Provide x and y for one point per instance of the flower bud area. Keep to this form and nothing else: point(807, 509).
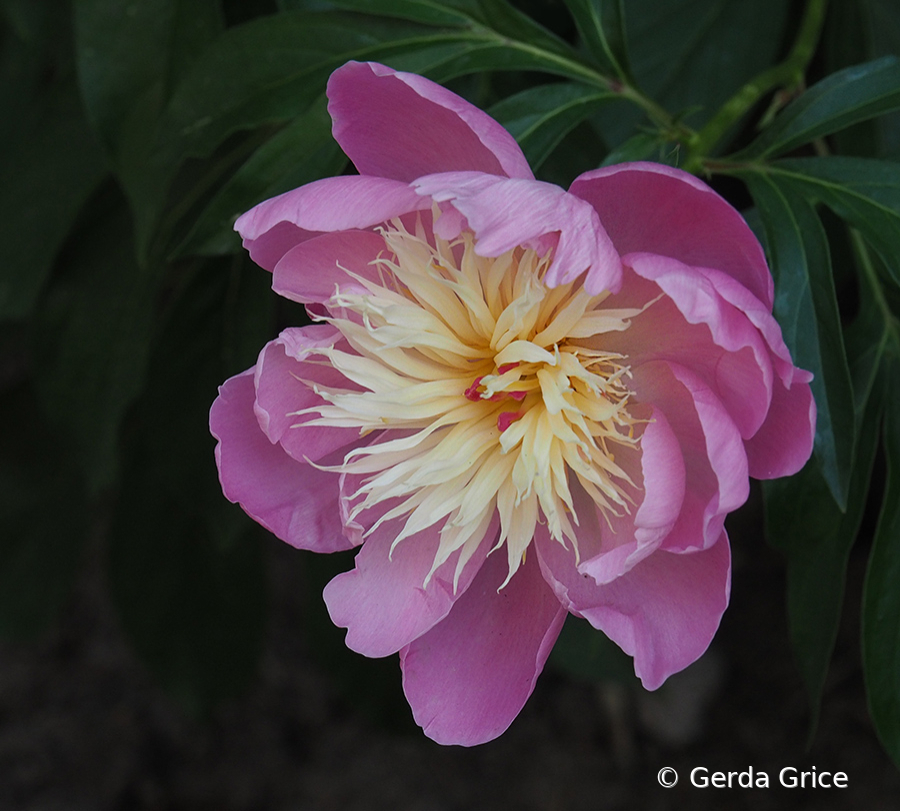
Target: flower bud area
point(488, 390)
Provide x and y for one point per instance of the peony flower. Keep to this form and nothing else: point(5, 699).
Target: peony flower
point(516, 401)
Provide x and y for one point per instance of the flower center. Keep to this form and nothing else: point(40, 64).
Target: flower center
point(494, 387)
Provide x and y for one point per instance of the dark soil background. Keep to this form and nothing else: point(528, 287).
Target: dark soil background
point(82, 726)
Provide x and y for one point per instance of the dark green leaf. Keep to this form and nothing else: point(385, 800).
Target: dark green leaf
point(804, 522)
point(858, 31)
point(692, 55)
point(92, 339)
point(34, 56)
point(129, 56)
point(540, 117)
point(300, 153)
point(643, 146)
point(869, 336)
point(121, 48)
point(885, 28)
point(271, 69)
point(24, 18)
point(217, 325)
point(130, 53)
point(881, 597)
point(852, 95)
point(418, 11)
point(577, 153)
point(185, 565)
point(497, 16)
point(52, 166)
point(601, 24)
point(43, 518)
point(864, 192)
point(195, 25)
point(846, 38)
point(465, 55)
point(846, 42)
point(256, 73)
point(806, 308)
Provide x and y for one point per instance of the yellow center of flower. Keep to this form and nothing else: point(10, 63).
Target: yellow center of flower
point(495, 387)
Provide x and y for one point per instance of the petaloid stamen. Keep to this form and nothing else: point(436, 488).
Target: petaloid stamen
point(446, 341)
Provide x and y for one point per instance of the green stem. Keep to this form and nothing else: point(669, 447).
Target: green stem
point(891, 325)
point(671, 129)
point(787, 74)
point(578, 70)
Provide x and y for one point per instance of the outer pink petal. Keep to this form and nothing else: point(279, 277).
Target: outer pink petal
point(294, 501)
point(382, 602)
point(761, 317)
point(626, 540)
point(704, 332)
point(281, 390)
point(470, 675)
point(648, 207)
point(715, 461)
point(275, 226)
point(504, 213)
point(310, 271)
point(402, 126)
point(664, 612)
point(784, 443)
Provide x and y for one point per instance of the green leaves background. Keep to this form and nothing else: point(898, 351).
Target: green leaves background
point(137, 132)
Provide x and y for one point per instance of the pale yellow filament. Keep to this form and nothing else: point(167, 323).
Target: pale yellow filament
point(480, 368)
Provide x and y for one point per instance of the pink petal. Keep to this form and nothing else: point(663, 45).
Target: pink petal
point(761, 317)
point(382, 602)
point(507, 212)
point(402, 126)
point(310, 271)
point(662, 469)
point(716, 480)
point(275, 226)
point(294, 501)
point(704, 332)
point(470, 675)
point(651, 208)
point(629, 538)
point(609, 545)
point(664, 612)
point(784, 443)
point(271, 245)
point(281, 391)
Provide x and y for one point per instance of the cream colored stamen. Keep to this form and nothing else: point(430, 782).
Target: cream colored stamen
point(493, 397)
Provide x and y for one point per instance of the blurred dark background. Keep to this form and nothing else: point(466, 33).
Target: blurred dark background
point(83, 725)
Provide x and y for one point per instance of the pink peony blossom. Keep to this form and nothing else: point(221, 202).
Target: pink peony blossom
point(517, 401)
